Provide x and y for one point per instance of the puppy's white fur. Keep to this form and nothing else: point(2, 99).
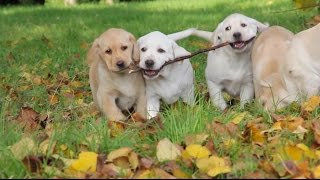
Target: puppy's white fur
point(229, 68)
point(301, 70)
point(173, 81)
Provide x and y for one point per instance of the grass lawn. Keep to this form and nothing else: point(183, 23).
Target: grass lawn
point(42, 57)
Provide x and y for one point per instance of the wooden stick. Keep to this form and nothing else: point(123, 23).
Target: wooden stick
point(187, 57)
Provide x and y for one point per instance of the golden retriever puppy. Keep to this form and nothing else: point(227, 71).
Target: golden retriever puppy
point(301, 70)
point(268, 56)
point(115, 90)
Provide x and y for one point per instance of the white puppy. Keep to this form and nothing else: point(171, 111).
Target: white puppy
point(229, 68)
point(170, 82)
point(301, 70)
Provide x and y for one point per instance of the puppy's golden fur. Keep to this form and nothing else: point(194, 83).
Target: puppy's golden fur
point(115, 90)
point(268, 56)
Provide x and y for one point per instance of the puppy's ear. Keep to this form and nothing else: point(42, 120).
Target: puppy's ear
point(179, 51)
point(216, 35)
point(260, 26)
point(135, 50)
point(94, 52)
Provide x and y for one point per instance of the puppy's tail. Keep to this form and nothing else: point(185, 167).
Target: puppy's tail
point(203, 34)
point(182, 34)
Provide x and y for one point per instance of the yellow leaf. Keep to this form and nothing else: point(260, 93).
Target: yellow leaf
point(239, 118)
point(316, 172)
point(276, 126)
point(212, 166)
point(310, 105)
point(307, 151)
point(293, 152)
point(133, 160)
point(218, 170)
point(122, 152)
point(86, 162)
point(178, 173)
point(317, 154)
point(147, 174)
point(166, 150)
point(197, 151)
point(185, 155)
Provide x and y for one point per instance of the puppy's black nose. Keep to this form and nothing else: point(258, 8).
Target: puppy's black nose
point(237, 35)
point(149, 63)
point(120, 64)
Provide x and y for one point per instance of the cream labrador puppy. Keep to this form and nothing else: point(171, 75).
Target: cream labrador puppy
point(268, 57)
point(301, 70)
point(115, 90)
point(229, 68)
point(168, 83)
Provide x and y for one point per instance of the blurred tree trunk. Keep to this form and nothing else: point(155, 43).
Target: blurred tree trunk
point(70, 2)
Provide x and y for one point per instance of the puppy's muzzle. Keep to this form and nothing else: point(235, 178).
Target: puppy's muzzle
point(240, 44)
point(149, 71)
point(120, 64)
point(149, 63)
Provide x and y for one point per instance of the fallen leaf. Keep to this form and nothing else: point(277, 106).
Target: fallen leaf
point(53, 99)
point(311, 104)
point(195, 139)
point(23, 148)
point(32, 163)
point(307, 152)
point(86, 162)
point(179, 174)
point(29, 118)
point(316, 172)
point(197, 151)
point(212, 166)
point(122, 152)
point(124, 158)
point(239, 117)
point(47, 146)
point(146, 163)
point(166, 150)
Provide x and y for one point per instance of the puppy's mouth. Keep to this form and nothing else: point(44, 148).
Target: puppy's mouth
point(150, 72)
point(241, 44)
point(238, 45)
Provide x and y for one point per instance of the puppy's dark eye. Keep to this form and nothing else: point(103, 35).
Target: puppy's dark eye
point(143, 49)
point(108, 51)
point(123, 48)
point(243, 25)
point(228, 28)
point(161, 50)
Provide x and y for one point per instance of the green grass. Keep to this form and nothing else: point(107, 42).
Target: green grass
point(45, 41)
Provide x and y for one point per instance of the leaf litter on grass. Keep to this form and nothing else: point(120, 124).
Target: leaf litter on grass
point(196, 157)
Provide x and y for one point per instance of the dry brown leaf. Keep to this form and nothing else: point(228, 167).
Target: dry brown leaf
point(53, 99)
point(29, 119)
point(146, 163)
